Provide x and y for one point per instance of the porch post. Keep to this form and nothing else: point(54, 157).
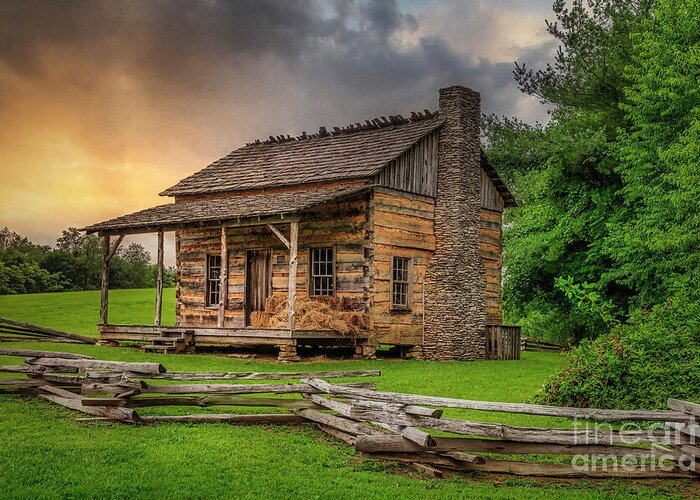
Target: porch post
point(107, 254)
point(159, 280)
point(292, 293)
point(223, 285)
point(104, 299)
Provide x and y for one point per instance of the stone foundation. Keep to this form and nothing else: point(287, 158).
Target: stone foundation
point(288, 353)
point(412, 352)
point(365, 351)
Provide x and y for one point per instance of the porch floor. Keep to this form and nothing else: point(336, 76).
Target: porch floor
point(230, 336)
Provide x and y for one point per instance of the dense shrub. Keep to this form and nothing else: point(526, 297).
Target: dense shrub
point(639, 365)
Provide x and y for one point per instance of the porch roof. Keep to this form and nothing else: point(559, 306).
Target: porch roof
point(199, 213)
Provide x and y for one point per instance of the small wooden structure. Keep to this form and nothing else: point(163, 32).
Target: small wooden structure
point(502, 342)
point(385, 232)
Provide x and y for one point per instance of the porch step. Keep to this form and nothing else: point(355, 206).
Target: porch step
point(171, 334)
point(155, 338)
point(164, 343)
point(164, 349)
point(170, 342)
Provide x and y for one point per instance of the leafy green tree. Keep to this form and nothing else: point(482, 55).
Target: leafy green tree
point(130, 267)
point(588, 68)
point(20, 270)
point(169, 276)
point(16, 249)
point(75, 264)
point(72, 241)
point(654, 240)
point(79, 257)
point(654, 237)
point(28, 277)
point(564, 174)
point(560, 176)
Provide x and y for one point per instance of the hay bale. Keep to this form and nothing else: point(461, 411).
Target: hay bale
point(276, 304)
point(314, 313)
point(260, 319)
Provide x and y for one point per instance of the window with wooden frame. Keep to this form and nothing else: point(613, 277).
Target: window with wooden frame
point(321, 271)
point(213, 282)
point(401, 283)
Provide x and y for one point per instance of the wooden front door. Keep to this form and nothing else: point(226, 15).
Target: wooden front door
point(258, 286)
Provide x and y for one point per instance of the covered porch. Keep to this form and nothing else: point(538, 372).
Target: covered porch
point(281, 215)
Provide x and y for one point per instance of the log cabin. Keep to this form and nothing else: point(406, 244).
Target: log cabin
point(384, 232)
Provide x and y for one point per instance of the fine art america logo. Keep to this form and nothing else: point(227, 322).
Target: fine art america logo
point(632, 447)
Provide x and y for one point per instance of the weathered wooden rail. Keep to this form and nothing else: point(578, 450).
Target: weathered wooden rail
point(385, 425)
point(533, 344)
point(12, 330)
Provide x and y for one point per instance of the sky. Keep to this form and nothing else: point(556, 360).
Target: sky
point(106, 103)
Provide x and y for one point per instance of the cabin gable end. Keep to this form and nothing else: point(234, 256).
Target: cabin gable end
point(415, 170)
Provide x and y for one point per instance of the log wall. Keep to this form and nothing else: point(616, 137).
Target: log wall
point(342, 225)
point(402, 226)
point(366, 232)
point(491, 246)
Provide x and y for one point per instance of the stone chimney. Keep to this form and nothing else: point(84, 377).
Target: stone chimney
point(455, 282)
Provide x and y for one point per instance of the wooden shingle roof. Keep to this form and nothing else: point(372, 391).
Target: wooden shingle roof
point(197, 213)
point(356, 152)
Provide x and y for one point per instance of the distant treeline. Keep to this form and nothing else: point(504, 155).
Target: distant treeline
point(75, 263)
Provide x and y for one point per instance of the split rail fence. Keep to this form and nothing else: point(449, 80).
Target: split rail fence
point(12, 330)
point(533, 344)
point(384, 425)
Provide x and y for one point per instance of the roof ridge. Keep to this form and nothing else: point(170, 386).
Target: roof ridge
point(352, 128)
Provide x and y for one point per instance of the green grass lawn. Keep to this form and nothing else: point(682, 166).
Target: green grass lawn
point(79, 312)
point(45, 454)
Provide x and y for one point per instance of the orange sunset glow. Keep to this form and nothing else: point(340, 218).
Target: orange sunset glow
point(105, 104)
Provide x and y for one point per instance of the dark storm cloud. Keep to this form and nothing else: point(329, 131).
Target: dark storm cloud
point(161, 36)
point(168, 47)
point(377, 80)
point(107, 102)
